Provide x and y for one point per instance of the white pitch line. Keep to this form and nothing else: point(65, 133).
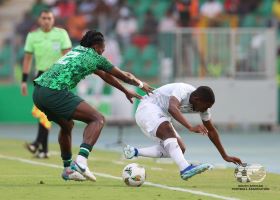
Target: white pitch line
point(119, 178)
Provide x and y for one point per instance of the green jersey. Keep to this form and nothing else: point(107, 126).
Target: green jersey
point(47, 46)
point(74, 66)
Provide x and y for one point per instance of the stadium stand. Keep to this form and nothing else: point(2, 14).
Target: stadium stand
point(91, 14)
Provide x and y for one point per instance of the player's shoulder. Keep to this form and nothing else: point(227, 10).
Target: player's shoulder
point(182, 85)
point(34, 32)
point(59, 30)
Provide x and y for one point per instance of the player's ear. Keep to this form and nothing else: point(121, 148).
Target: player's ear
point(39, 20)
point(196, 98)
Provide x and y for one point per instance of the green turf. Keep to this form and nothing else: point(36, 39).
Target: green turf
point(20, 180)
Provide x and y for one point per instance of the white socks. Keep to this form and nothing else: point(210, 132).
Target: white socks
point(156, 151)
point(172, 147)
point(82, 160)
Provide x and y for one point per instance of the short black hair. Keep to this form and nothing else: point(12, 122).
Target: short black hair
point(91, 38)
point(205, 93)
point(45, 11)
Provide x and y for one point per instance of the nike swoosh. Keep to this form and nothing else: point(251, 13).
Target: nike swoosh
point(82, 169)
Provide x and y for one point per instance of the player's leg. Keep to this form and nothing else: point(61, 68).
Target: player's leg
point(44, 130)
point(156, 151)
point(65, 141)
point(33, 146)
point(166, 133)
point(43, 140)
point(147, 118)
point(95, 122)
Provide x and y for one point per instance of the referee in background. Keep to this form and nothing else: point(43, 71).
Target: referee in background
point(47, 44)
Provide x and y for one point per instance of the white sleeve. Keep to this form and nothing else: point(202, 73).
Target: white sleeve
point(206, 116)
point(180, 92)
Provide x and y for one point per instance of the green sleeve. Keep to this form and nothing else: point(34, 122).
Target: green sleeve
point(28, 47)
point(104, 64)
point(66, 42)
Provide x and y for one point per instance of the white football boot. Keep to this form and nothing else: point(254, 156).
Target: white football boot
point(83, 170)
point(129, 152)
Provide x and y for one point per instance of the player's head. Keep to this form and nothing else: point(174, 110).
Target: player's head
point(46, 20)
point(202, 98)
point(95, 40)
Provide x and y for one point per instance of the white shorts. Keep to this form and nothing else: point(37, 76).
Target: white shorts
point(148, 117)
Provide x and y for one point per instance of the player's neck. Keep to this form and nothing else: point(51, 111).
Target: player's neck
point(46, 29)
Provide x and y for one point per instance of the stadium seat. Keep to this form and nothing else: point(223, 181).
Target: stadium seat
point(142, 8)
point(6, 61)
point(160, 9)
point(265, 8)
point(248, 21)
point(149, 63)
point(130, 58)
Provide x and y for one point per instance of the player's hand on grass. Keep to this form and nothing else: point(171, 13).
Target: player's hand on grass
point(147, 88)
point(199, 129)
point(233, 159)
point(24, 89)
point(131, 94)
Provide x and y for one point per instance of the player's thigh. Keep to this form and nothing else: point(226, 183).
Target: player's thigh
point(66, 125)
point(148, 117)
point(86, 113)
point(165, 130)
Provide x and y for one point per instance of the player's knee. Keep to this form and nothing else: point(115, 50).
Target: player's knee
point(182, 146)
point(183, 149)
point(99, 119)
point(67, 126)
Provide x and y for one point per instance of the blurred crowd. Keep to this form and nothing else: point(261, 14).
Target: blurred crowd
point(136, 23)
point(139, 21)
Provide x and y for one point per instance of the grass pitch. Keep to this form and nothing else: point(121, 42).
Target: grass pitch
point(23, 177)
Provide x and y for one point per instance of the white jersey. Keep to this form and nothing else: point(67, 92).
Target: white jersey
point(180, 91)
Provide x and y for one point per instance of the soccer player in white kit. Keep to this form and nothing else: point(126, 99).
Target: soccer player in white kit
point(154, 115)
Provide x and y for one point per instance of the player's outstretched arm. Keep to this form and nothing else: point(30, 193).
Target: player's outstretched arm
point(27, 61)
point(131, 79)
point(214, 137)
point(174, 110)
point(108, 78)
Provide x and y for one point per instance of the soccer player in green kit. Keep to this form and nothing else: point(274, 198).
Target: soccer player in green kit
point(47, 44)
point(53, 96)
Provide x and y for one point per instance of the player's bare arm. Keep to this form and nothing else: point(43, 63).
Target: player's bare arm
point(174, 110)
point(108, 78)
point(65, 51)
point(131, 79)
point(27, 61)
point(215, 139)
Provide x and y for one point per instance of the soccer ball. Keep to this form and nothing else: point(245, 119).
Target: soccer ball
point(249, 173)
point(134, 175)
point(240, 173)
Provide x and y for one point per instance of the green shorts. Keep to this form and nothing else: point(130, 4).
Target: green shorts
point(56, 104)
